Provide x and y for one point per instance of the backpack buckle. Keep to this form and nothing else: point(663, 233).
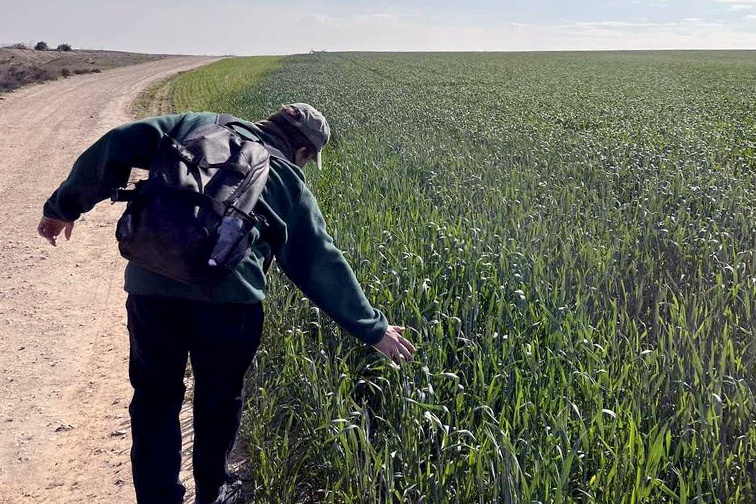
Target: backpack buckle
point(252, 218)
point(121, 194)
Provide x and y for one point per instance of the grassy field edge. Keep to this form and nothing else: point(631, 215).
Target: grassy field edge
point(206, 88)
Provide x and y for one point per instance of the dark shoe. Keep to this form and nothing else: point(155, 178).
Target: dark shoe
point(230, 492)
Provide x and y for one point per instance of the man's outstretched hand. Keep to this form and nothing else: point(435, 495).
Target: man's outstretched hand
point(395, 346)
point(50, 228)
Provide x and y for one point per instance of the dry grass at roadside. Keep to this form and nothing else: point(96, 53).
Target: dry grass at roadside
point(20, 67)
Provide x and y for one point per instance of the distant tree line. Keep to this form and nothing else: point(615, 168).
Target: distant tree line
point(41, 46)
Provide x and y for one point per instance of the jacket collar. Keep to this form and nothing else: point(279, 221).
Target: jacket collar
point(270, 134)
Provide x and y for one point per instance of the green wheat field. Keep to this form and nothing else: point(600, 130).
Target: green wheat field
point(571, 239)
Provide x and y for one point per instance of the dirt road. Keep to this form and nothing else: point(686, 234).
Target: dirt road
point(64, 391)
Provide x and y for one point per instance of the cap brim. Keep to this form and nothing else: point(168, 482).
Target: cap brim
point(319, 159)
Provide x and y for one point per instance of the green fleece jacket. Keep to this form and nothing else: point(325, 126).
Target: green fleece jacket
point(305, 252)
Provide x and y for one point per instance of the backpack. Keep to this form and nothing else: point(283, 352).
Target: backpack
point(191, 219)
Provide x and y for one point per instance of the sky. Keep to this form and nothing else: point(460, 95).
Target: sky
point(249, 27)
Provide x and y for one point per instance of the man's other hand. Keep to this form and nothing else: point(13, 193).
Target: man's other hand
point(395, 346)
point(50, 228)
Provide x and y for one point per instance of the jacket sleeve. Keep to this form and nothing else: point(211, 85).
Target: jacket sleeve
point(311, 260)
point(107, 164)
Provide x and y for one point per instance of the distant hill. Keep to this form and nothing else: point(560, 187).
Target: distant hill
point(19, 67)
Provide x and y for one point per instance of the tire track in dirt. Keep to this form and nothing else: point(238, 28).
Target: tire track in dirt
point(64, 391)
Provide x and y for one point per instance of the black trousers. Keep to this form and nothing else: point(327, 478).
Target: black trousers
point(221, 340)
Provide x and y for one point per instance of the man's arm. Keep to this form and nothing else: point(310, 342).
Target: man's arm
point(311, 260)
point(103, 166)
point(107, 164)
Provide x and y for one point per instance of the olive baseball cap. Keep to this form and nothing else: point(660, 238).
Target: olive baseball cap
point(313, 125)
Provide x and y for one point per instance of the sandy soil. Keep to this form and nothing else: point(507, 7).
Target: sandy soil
point(64, 391)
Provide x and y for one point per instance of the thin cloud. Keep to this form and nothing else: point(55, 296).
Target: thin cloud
point(698, 23)
point(644, 25)
point(612, 24)
point(375, 16)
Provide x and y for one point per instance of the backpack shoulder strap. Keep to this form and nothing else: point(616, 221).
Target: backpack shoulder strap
point(226, 119)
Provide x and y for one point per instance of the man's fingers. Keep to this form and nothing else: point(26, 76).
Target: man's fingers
point(407, 344)
point(400, 352)
point(397, 353)
point(395, 346)
point(52, 235)
point(46, 233)
point(404, 352)
point(50, 228)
